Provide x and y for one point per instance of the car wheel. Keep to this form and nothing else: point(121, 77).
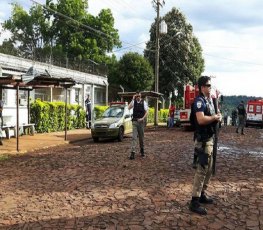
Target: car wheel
point(95, 139)
point(121, 134)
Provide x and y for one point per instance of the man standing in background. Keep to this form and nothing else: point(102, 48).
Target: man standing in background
point(1, 120)
point(88, 112)
point(171, 116)
point(241, 112)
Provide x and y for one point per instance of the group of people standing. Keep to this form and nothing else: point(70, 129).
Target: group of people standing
point(205, 117)
point(238, 117)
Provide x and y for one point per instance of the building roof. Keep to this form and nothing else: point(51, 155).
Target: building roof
point(19, 66)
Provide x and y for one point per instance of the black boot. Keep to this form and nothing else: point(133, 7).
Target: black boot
point(1, 142)
point(142, 152)
point(195, 206)
point(236, 130)
point(242, 132)
point(195, 161)
point(204, 199)
point(132, 156)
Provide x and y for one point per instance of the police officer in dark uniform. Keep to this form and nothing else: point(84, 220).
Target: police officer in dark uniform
point(234, 117)
point(205, 117)
point(88, 112)
point(241, 111)
point(140, 111)
point(1, 120)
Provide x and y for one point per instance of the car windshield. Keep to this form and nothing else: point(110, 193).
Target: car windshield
point(113, 112)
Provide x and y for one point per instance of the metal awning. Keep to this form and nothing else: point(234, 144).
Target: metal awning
point(29, 82)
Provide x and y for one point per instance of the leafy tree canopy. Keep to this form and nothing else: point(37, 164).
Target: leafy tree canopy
point(132, 71)
point(63, 28)
point(181, 58)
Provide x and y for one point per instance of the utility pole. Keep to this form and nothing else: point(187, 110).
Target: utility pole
point(157, 54)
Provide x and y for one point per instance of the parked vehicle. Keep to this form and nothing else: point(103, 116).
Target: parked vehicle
point(115, 122)
point(254, 113)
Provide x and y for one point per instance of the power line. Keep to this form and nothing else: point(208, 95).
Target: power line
point(233, 60)
point(72, 19)
point(79, 23)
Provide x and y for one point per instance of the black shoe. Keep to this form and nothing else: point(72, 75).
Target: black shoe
point(205, 200)
point(132, 156)
point(142, 152)
point(237, 131)
point(1, 142)
point(195, 207)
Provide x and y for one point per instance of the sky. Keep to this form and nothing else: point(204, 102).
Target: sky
point(230, 34)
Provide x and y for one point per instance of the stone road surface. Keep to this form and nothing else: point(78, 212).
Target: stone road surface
point(88, 185)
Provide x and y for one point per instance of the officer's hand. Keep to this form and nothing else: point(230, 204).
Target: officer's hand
point(203, 159)
point(220, 116)
point(217, 117)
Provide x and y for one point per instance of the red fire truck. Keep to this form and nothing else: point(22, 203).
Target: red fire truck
point(190, 92)
point(255, 113)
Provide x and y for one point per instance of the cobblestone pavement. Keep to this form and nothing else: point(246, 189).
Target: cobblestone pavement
point(89, 185)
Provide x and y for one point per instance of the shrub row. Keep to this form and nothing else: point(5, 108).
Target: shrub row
point(50, 116)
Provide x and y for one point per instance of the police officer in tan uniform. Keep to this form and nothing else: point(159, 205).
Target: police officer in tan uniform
point(204, 118)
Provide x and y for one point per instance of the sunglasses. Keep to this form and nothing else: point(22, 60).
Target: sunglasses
point(208, 85)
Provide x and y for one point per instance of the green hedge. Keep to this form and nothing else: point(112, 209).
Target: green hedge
point(50, 116)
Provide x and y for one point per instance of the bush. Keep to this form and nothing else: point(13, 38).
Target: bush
point(50, 116)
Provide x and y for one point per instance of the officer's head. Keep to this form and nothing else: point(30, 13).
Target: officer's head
point(203, 83)
point(138, 95)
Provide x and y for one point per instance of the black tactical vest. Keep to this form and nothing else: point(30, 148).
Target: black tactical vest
point(204, 132)
point(138, 109)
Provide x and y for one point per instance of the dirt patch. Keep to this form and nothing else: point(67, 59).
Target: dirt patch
point(88, 185)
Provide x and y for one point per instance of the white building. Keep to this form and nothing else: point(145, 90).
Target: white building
point(94, 85)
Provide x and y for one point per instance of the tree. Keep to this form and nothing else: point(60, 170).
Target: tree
point(63, 30)
point(8, 48)
point(180, 53)
point(27, 30)
point(81, 35)
point(132, 71)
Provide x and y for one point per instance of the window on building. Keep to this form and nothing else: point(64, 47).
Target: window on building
point(88, 91)
point(77, 95)
point(22, 97)
point(42, 94)
point(58, 94)
point(4, 96)
point(258, 109)
point(100, 96)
